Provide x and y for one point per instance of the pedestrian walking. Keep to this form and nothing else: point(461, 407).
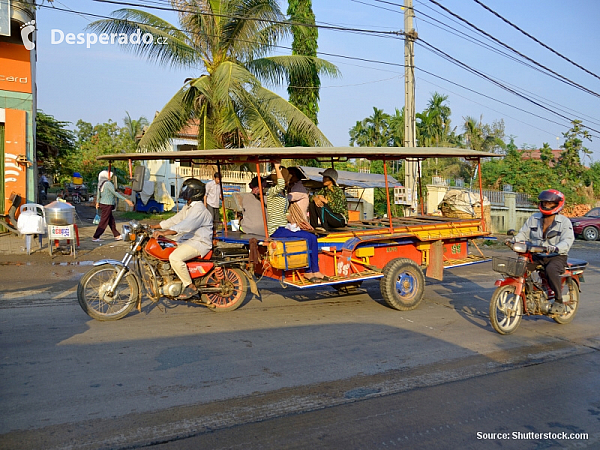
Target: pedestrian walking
point(212, 200)
point(106, 198)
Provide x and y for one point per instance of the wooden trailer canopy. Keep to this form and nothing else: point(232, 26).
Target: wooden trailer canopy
point(236, 155)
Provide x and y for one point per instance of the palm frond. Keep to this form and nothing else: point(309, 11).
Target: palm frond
point(168, 44)
point(276, 70)
point(289, 118)
point(169, 121)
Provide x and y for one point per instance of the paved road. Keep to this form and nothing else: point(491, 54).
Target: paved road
point(168, 375)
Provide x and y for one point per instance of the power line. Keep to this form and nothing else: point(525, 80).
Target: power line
point(232, 16)
point(492, 80)
point(462, 35)
point(535, 39)
point(444, 55)
point(565, 79)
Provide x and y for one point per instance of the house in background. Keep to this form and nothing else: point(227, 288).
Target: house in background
point(536, 154)
point(18, 106)
point(173, 174)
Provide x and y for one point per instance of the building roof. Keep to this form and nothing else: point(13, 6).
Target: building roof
point(351, 179)
point(536, 154)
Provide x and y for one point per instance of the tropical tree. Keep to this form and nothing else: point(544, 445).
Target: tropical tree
point(569, 164)
point(483, 137)
point(372, 131)
point(54, 144)
point(396, 128)
point(95, 140)
point(227, 42)
point(304, 91)
point(133, 130)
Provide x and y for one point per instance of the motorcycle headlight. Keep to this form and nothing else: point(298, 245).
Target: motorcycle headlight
point(126, 232)
point(520, 247)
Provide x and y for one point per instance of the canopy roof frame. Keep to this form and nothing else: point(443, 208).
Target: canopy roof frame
point(325, 154)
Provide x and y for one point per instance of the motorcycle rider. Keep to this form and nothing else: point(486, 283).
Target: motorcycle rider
point(193, 231)
point(536, 229)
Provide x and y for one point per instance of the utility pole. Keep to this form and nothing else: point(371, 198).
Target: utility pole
point(410, 35)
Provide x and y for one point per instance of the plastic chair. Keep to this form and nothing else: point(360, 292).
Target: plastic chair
point(40, 211)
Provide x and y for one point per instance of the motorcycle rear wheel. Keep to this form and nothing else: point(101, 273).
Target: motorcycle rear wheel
point(91, 293)
point(234, 288)
point(571, 305)
point(506, 310)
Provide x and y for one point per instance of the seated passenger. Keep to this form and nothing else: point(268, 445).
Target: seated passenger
point(278, 226)
point(193, 231)
point(252, 209)
point(298, 200)
point(328, 205)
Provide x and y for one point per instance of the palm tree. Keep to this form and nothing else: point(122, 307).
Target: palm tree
point(228, 40)
point(396, 128)
point(372, 131)
point(133, 128)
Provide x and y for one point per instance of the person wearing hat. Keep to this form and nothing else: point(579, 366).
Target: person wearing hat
point(328, 205)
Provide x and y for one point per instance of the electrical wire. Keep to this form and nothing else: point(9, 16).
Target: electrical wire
point(440, 53)
point(565, 79)
point(535, 39)
point(455, 61)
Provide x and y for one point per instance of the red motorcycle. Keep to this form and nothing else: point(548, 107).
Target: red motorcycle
point(525, 290)
point(112, 289)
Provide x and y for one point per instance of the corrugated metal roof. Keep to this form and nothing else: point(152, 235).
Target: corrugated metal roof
point(352, 179)
point(250, 154)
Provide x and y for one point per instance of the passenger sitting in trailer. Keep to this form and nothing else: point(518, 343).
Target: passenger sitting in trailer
point(328, 206)
point(277, 220)
point(252, 209)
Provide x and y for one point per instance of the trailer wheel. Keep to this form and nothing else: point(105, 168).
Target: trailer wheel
point(403, 284)
point(153, 210)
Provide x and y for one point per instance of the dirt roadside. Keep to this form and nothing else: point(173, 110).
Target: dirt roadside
point(13, 248)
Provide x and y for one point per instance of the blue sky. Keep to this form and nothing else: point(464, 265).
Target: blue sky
point(104, 81)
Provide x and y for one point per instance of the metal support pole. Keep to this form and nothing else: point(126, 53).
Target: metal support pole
point(483, 224)
point(410, 35)
point(262, 200)
point(222, 197)
point(387, 195)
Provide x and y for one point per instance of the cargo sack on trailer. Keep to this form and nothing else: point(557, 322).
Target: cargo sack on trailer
point(292, 254)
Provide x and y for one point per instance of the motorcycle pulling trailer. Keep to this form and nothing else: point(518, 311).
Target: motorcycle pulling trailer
point(399, 251)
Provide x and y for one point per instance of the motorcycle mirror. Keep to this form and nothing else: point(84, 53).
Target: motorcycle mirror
point(139, 175)
point(552, 234)
point(511, 232)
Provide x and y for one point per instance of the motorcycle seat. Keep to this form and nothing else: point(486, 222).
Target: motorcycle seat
point(575, 264)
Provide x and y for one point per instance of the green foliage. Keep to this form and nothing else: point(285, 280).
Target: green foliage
point(54, 144)
point(100, 139)
point(227, 43)
point(304, 91)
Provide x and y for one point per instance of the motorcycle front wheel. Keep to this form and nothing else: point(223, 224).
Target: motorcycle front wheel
point(94, 299)
point(571, 299)
point(234, 287)
point(506, 310)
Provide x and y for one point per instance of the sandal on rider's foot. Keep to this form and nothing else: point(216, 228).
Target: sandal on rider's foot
point(188, 292)
point(558, 308)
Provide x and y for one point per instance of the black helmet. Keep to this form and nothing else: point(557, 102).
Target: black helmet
point(192, 189)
